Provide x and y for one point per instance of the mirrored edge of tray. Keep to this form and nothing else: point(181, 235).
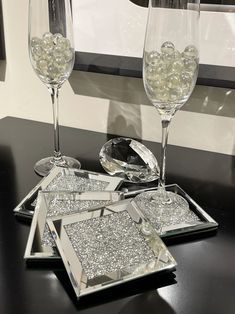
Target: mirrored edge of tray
point(25, 209)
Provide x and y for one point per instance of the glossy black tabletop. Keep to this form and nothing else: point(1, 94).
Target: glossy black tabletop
point(204, 280)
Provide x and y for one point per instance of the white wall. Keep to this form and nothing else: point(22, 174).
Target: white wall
point(23, 95)
point(125, 34)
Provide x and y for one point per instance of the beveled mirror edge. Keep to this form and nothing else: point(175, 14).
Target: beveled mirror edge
point(19, 211)
point(29, 255)
point(208, 225)
point(68, 264)
point(206, 216)
point(32, 231)
point(199, 209)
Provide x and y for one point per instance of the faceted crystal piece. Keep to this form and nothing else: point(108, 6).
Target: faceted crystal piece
point(129, 159)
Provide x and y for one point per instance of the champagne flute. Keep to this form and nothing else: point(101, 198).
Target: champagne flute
point(170, 69)
point(51, 51)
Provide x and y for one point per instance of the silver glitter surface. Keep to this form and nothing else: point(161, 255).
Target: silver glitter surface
point(75, 183)
point(108, 244)
point(58, 207)
point(162, 214)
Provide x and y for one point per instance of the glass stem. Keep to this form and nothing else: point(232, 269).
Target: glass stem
point(54, 91)
point(162, 178)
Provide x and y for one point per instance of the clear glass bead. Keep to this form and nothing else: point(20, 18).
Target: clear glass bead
point(191, 52)
point(173, 80)
point(68, 54)
point(164, 95)
point(64, 43)
point(42, 66)
point(190, 65)
point(56, 38)
point(37, 52)
point(152, 58)
point(168, 48)
point(59, 60)
point(177, 66)
point(35, 41)
point(58, 51)
point(47, 36)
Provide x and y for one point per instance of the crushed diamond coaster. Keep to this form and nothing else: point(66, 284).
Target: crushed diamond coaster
point(108, 244)
point(75, 183)
point(58, 207)
point(164, 215)
point(65, 207)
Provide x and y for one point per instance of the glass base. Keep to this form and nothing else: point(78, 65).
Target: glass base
point(162, 208)
point(44, 166)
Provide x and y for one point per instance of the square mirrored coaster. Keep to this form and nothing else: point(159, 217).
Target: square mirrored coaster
point(108, 246)
point(70, 180)
point(40, 245)
point(173, 222)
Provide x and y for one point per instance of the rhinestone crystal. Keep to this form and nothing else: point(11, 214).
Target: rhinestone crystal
point(65, 207)
point(75, 183)
point(129, 159)
point(161, 214)
point(108, 244)
point(58, 207)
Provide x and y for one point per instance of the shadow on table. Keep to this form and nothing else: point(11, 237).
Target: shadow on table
point(7, 177)
point(142, 289)
point(150, 302)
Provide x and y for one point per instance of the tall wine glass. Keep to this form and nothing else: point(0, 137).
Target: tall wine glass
point(51, 51)
point(170, 69)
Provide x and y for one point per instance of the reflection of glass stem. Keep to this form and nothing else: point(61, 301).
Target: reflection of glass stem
point(54, 91)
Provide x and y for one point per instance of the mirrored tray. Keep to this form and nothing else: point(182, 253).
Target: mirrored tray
point(40, 245)
point(194, 221)
point(108, 246)
point(67, 179)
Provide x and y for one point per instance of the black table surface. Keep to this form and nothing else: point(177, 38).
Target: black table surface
point(204, 280)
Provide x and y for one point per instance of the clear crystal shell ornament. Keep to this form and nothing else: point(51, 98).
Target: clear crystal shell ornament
point(129, 159)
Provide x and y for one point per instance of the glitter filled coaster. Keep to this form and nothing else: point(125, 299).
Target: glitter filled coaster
point(109, 243)
point(162, 215)
point(52, 204)
point(58, 207)
point(67, 179)
point(108, 246)
point(183, 220)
